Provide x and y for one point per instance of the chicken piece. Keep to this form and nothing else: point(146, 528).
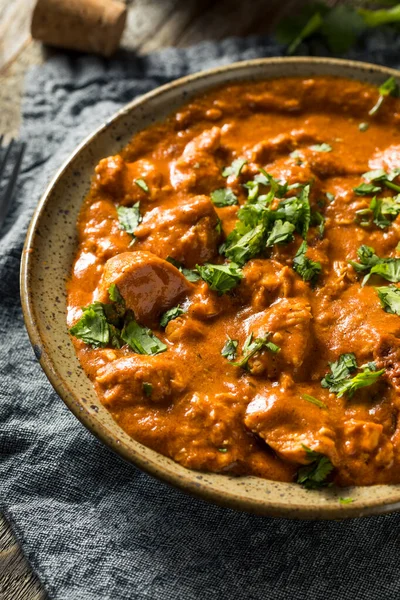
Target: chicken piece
point(288, 320)
point(99, 230)
point(121, 382)
point(279, 418)
point(265, 280)
point(220, 417)
point(197, 169)
point(267, 151)
point(110, 174)
point(148, 172)
point(188, 233)
point(148, 284)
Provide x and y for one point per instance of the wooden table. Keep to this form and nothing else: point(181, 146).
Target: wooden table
point(152, 24)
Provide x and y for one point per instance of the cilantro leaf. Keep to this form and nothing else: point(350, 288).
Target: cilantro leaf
point(92, 328)
point(340, 370)
point(388, 268)
point(220, 278)
point(142, 184)
point(390, 298)
point(282, 233)
point(388, 88)
point(129, 217)
point(339, 380)
point(235, 168)
point(230, 349)
point(244, 243)
point(250, 348)
point(141, 339)
point(321, 148)
point(308, 269)
point(190, 274)
point(314, 475)
point(170, 315)
point(115, 295)
point(366, 188)
point(363, 127)
point(224, 197)
point(318, 221)
point(147, 388)
point(346, 500)
point(315, 401)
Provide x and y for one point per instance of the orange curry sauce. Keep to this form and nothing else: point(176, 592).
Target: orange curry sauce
point(196, 406)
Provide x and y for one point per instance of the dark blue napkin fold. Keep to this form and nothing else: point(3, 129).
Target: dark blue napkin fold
point(93, 526)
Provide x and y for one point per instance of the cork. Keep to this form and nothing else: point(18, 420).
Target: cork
point(93, 26)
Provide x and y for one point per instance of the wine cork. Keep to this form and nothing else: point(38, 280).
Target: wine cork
point(87, 25)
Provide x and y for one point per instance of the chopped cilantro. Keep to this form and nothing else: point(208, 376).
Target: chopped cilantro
point(321, 148)
point(314, 475)
point(223, 450)
point(235, 168)
point(339, 380)
point(170, 315)
point(371, 264)
point(220, 278)
point(388, 88)
point(282, 233)
point(224, 197)
point(363, 127)
point(147, 389)
point(141, 339)
point(92, 328)
point(330, 196)
point(129, 217)
point(230, 348)
point(252, 347)
point(114, 294)
point(244, 243)
point(308, 269)
point(366, 188)
point(315, 401)
point(390, 298)
point(318, 221)
point(143, 185)
point(382, 211)
point(346, 500)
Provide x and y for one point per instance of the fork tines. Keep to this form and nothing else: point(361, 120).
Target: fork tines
point(10, 165)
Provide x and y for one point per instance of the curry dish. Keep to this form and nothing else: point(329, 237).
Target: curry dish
point(235, 298)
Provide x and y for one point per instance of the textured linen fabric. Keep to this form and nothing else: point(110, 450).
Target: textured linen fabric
point(93, 526)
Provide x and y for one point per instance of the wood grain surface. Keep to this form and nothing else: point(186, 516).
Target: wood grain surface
point(151, 24)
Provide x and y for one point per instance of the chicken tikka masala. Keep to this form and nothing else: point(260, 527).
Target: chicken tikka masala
point(235, 297)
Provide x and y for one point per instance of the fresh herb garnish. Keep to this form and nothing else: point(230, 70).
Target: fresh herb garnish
point(339, 380)
point(282, 233)
point(170, 315)
point(252, 347)
point(235, 168)
point(115, 295)
point(330, 196)
point(230, 349)
point(129, 217)
point(141, 339)
point(224, 197)
point(220, 278)
point(142, 184)
point(366, 188)
point(371, 264)
point(314, 475)
point(381, 211)
point(308, 269)
point(190, 274)
point(346, 500)
point(321, 148)
point(390, 298)
point(315, 401)
point(388, 88)
point(223, 450)
point(244, 243)
point(363, 127)
point(92, 328)
point(147, 389)
point(318, 221)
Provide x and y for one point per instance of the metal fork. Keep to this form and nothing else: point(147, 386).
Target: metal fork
point(10, 166)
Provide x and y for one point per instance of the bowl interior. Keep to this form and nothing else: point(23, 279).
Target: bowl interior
point(47, 259)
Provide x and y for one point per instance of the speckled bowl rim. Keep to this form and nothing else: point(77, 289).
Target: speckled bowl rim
point(189, 483)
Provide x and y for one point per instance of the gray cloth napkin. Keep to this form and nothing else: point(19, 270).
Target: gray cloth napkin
point(93, 526)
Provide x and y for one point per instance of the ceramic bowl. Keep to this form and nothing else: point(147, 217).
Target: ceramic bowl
point(51, 241)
